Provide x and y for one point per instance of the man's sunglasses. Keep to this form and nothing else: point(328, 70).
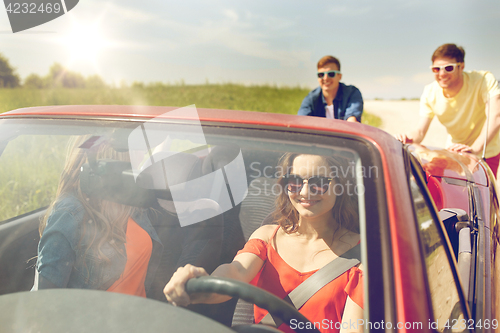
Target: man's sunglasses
point(450, 68)
point(317, 184)
point(329, 73)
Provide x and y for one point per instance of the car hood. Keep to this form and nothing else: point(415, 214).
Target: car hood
point(440, 162)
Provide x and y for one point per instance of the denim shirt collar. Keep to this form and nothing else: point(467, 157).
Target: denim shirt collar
point(338, 97)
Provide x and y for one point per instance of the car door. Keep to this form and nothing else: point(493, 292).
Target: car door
point(484, 285)
point(449, 308)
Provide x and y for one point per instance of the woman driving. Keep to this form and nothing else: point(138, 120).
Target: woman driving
point(317, 222)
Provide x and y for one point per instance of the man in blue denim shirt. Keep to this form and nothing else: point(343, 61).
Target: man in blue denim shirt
point(332, 99)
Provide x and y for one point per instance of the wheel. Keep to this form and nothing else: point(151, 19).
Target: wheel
point(252, 294)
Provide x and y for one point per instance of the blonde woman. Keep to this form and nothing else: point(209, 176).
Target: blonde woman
point(317, 222)
point(91, 243)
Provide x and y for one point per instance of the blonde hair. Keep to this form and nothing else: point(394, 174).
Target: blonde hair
point(344, 212)
point(110, 218)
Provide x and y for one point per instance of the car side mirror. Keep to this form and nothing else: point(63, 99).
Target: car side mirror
point(460, 220)
point(455, 216)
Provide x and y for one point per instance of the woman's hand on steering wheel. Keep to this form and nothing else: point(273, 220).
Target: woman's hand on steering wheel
point(175, 290)
point(245, 291)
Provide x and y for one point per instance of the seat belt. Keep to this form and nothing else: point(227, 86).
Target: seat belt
point(304, 291)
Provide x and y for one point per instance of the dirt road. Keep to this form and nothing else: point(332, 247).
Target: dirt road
point(402, 116)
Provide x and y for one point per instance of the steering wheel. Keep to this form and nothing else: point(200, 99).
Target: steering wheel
point(252, 294)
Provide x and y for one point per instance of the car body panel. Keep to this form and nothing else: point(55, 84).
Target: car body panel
point(216, 115)
point(408, 270)
point(451, 180)
point(443, 163)
point(460, 178)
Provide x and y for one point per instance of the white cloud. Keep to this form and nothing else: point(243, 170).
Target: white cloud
point(240, 33)
point(389, 80)
point(423, 78)
point(252, 44)
point(349, 10)
point(231, 14)
point(126, 13)
point(268, 22)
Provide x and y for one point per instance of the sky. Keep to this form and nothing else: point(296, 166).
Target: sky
point(384, 46)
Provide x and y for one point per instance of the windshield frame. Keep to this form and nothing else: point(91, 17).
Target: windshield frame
point(375, 231)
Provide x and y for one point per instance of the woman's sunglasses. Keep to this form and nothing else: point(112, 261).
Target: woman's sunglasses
point(450, 68)
point(329, 73)
point(317, 184)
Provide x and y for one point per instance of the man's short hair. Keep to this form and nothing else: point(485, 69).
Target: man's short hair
point(449, 51)
point(328, 60)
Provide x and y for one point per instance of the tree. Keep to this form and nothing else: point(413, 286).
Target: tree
point(8, 76)
point(95, 82)
point(34, 81)
point(61, 77)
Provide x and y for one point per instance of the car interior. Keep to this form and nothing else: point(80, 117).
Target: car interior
point(208, 243)
point(216, 228)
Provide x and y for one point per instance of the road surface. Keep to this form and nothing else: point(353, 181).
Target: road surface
point(402, 116)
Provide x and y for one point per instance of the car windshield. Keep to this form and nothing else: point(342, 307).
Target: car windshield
point(199, 190)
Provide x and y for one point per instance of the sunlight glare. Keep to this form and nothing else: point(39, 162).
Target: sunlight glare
point(85, 42)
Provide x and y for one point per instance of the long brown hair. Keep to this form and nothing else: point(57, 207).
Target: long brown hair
point(345, 210)
point(110, 218)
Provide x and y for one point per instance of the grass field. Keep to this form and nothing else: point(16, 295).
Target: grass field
point(30, 167)
point(28, 186)
point(220, 96)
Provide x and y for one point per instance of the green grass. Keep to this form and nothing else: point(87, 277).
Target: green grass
point(28, 180)
point(30, 168)
point(221, 96)
point(371, 119)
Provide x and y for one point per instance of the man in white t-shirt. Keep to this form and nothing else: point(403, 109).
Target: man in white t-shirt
point(461, 101)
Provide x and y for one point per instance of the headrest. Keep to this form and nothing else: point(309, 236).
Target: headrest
point(171, 171)
point(115, 181)
point(220, 156)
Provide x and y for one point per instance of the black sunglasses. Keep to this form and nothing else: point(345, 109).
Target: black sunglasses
point(329, 73)
point(317, 184)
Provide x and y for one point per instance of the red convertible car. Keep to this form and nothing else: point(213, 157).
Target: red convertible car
point(428, 218)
